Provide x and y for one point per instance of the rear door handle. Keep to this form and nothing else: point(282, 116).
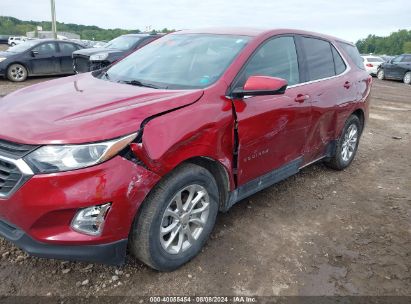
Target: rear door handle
point(301, 98)
point(347, 85)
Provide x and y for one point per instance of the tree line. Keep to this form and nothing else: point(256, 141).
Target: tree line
point(396, 43)
point(16, 27)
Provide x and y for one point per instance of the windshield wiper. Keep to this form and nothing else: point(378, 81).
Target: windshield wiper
point(140, 84)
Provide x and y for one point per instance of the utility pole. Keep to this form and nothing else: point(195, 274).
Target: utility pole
point(53, 19)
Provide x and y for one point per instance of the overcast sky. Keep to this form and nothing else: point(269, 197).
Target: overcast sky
point(348, 19)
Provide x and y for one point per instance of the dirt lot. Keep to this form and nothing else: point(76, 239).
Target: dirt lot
point(320, 232)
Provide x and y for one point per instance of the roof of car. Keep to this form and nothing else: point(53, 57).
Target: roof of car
point(140, 35)
point(253, 32)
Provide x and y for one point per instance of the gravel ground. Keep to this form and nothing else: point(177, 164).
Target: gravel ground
point(320, 232)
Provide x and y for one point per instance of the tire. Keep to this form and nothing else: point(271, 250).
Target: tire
point(12, 44)
point(381, 74)
point(150, 240)
point(407, 78)
point(346, 146)
point(17, 72)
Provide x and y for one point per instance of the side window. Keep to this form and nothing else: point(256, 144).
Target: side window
point(46, 48)
point(397, 59)
point(338, 62)
point(320, 61)
point(406, 58)
point(352, 51)
point(67, 48)
point(276, 58)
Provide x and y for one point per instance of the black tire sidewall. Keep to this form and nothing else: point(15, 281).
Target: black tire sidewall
point(159, 257)
point(353, 119)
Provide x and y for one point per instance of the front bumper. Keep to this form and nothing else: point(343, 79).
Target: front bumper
point(111, 253)
point(38, 215)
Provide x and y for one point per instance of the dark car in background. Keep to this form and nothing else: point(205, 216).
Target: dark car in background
point(4, 39)
point(91, 59)
point(38, 57)
point(398, 68)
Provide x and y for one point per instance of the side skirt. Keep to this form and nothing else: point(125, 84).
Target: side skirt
point(273, 177)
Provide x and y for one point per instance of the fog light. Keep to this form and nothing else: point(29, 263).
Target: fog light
point(90, 220)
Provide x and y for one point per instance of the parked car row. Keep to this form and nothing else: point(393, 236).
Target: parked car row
point(38, 57)
point(91, 59)
point(389, 67)
point(56, 57)
point(398, 68)
point(140, 157)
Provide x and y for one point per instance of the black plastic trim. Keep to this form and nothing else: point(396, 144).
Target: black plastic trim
point(111, 253)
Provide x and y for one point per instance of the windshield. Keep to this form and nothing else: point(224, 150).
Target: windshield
point(182, 61)
point(24, 46)
point(122, 43)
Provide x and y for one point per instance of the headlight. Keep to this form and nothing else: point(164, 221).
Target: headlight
point(56, 158)
point(98, 57)
point(2, 59)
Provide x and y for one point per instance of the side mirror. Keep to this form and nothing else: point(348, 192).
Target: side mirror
point(34, 53)
point(261, 85)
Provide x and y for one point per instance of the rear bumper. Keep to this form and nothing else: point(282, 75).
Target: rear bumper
point(112, 253)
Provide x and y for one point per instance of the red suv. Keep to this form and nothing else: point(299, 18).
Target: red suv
point(144, 154)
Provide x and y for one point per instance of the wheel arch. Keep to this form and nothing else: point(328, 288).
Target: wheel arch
point(361, 116)
point(19, 62)
point(218, 171)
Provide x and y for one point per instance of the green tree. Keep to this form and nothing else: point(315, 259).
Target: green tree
point(407, 47)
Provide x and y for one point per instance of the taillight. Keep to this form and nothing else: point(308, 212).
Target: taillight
point(369, 65)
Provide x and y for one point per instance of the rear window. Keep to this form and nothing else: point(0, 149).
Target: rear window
point(374, 60)
point(320, 61)
point(355, 56)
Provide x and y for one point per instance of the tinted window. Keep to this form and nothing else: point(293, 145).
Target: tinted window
point(352, 51)
point(46, 48)
point(406, 58)
point(67, 48)
point(374, 59)
point(319, 57)
point(338, 62)
point(276, 58)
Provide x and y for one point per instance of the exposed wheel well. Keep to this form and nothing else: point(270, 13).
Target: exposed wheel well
point(360, 114)
point(218, 171)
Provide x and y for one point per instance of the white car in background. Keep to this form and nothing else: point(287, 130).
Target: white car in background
point(371, 64)
point(14, 40)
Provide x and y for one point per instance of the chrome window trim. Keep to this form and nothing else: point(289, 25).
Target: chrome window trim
point(347, 69)
point(25, 170)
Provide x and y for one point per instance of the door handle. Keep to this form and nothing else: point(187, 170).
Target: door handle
point(347, 85)
point(301, 98)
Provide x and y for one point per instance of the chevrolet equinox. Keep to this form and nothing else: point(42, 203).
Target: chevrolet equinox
point(143, 154)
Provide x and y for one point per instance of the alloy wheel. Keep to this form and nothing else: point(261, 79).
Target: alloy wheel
point(17, 72)
point(380, 74)
point(349, 143)
point(184, 219)
point(407, 78)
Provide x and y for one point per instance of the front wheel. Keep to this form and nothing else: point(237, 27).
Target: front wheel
point(381, 74)
point(407, 78)
point(17, 72)
point(347, 145)
point(176, 219)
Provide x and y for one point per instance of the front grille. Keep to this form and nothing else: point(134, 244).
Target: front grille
point(10, 176)
point(14, 150)
point(81, 64)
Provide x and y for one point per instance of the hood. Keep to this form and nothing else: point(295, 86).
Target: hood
point(82, 108)
point(92, 51)
point(8, 54)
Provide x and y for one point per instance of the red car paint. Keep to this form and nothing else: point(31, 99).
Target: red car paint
point(176, 126)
